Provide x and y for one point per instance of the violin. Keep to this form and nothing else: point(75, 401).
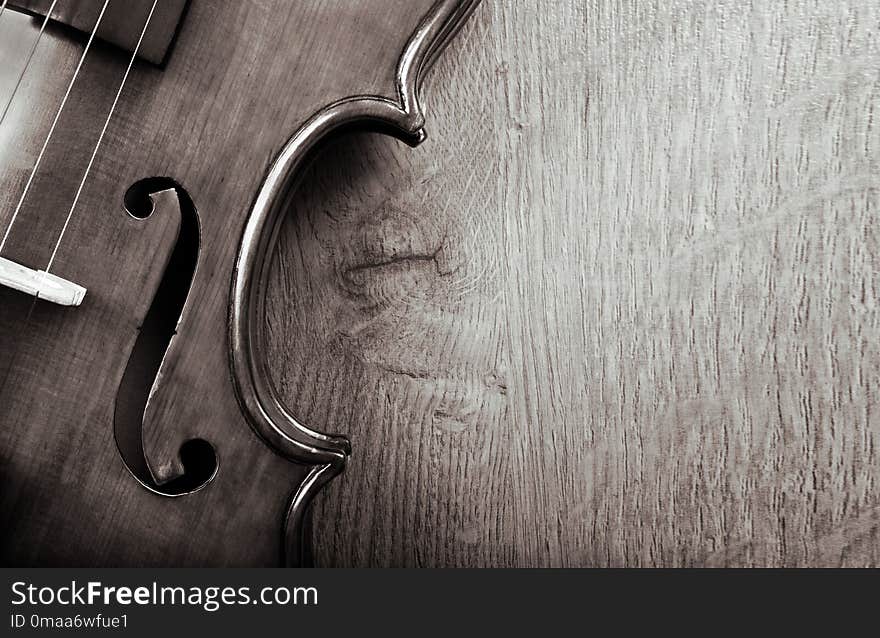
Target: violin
point(148, 152)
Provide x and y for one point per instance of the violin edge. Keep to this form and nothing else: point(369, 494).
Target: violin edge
point(256, 395)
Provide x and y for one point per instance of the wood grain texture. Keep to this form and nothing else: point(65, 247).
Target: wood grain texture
point(621, 309)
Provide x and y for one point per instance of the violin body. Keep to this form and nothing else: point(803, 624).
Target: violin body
point(142, 426)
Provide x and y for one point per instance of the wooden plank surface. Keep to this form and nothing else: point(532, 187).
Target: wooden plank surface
point(622, 307)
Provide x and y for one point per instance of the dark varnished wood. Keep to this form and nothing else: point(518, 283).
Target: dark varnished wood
point(243, 78)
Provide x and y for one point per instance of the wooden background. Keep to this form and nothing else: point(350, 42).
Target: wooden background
point(622, 307)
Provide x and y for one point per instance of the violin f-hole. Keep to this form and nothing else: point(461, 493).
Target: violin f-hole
point(155, 335)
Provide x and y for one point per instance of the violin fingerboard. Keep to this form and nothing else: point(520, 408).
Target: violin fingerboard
point(121, 23)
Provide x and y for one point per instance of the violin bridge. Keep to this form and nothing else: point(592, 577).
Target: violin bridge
point(40, 284)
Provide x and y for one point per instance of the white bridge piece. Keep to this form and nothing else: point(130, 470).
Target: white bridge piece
point(40, 284)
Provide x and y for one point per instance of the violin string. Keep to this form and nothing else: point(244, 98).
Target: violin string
point(100, 138)
point(27, 63)
point(6, 373)
point(52, 128)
